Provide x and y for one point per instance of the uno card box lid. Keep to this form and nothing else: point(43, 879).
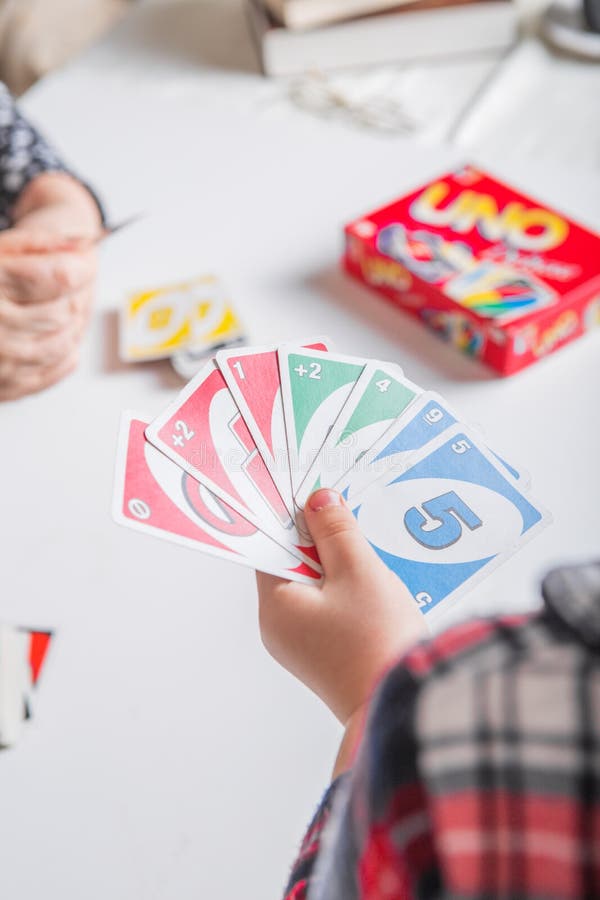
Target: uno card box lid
point(475, 245)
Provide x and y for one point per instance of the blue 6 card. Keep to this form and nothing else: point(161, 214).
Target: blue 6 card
point(426, 418)
point(442, 523)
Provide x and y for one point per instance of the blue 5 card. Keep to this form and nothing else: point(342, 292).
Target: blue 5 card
point(449, 518)
point(522, 476)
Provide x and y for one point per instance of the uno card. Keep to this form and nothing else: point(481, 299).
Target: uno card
point(381, 394)
point(22, 654)
point(428, 417)
point(37, 646)
point(158, 322)
point(214, 319)
point(14, 683)
point(520, 475)
point(422, 421)
point(204, 433)
point(252, 376)
point(188, 363)
point(155, 496)
point(314, 389)
point(448, 519)
point(155, 322)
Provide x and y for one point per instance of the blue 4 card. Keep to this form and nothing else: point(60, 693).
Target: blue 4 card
point(449, 518)
point(425, 419)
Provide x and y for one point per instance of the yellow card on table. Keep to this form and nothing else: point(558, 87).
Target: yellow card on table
point(191, 315)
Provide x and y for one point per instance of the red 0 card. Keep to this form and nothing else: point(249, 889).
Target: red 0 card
point(155, 496)
point(204, 433)
point(252, 376)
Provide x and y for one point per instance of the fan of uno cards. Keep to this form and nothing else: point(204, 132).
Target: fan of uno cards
point(229, 465)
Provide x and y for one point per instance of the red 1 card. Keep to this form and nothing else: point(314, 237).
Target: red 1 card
point(155, 496)
point(252, 376)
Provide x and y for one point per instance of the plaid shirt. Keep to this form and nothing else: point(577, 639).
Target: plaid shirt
point(478, 775)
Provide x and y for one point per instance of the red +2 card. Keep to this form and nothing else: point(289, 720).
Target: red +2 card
point(154, 495)
point(204, 433)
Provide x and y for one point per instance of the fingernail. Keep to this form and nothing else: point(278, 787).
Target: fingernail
point(322, 498)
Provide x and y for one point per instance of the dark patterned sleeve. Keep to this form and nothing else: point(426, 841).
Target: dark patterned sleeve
point(372, 838)
point(302, 870)
point(379, 841)
point(23, 154)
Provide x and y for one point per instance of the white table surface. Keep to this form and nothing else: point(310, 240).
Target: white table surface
point(170, 757)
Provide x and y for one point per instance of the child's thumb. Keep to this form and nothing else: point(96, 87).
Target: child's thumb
point(342, 547)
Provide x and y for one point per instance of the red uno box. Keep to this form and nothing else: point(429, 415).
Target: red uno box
point(499, 275)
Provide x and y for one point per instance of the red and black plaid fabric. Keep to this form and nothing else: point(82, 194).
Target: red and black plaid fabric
point(478, 774)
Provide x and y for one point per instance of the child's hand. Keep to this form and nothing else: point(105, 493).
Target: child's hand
point(340, 638)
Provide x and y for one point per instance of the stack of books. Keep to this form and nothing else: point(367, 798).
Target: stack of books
point(295, 36)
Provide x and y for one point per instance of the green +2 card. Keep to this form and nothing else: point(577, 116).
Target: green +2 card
point(314, 388)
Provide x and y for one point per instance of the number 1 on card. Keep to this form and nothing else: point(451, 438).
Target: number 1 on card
point(238, 367)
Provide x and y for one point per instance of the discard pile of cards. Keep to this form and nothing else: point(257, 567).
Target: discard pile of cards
point(22, 655)
point(229, 465)
point(185, 322)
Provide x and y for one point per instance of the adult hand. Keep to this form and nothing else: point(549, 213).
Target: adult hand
point(339, 639)
point(47, 281)
point(46, 292)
